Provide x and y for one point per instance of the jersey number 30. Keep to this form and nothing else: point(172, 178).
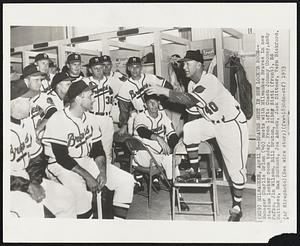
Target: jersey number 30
point(210, 108)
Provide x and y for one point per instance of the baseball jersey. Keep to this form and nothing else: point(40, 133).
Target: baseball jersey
point(214, 101)
point(75, 133)
point(46, 83)
point(133, 90)
point(193, 110)
point(23, 147)
point(58, 103)
point(104, 93)
point(161, 125)
point(115, 74)
point(39, 105)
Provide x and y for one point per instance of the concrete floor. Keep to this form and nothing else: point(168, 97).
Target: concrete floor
point(161, 207)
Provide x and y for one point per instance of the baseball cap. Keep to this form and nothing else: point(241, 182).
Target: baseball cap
point(134, 60)
point(31, 70)
point(76, 88)
point(58, 78)
point(193, 55)
point(73, 58)
point(105, 58)
point(41, 56)
point(18, 88)
point(94, 61)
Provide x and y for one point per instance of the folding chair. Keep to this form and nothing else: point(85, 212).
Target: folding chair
point(204, 149)
point(134, 145)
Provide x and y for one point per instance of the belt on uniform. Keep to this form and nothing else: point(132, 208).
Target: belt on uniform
point(100, 113)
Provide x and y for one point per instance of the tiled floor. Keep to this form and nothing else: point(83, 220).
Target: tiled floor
point(161, 207)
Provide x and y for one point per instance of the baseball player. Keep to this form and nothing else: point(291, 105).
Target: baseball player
point(107, 70)
point(30, 191)
point(104, 93)
point(156, 131)
point(222, 119)
point(42, 62)
point(132, 92)
point(73, 67)
point(73, 144)
point(41, 106)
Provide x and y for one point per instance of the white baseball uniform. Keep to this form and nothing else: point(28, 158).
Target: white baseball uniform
point(59, 200)
point(46, 83)
point(78, 135)
point(104, 94)
point(224, 120)
point(161, 126)
point(53, 97)
point(133, 91)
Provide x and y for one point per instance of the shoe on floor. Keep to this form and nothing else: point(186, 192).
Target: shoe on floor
point(138, 187)
point(156, 184)
point(183, 205)
point(235, 214)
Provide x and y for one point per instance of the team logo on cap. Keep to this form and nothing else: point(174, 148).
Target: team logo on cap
point(134, 59)
point(97, 60)
point(76, 56)
point(45, 55)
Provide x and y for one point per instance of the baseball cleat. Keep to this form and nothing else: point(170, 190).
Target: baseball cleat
point(156, 184)
point(235, 215)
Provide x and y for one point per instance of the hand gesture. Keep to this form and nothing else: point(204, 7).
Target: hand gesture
point(36, 191)
point(158, 90)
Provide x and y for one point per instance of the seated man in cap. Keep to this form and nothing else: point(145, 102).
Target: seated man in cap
point(105, 92)
point(42, 61)
point(73, 144)
point(29, 190)
point(73, 67)
point(131, 94)
point(156, 131)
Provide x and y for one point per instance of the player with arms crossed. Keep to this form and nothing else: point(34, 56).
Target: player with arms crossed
point(131, 95)
point(72, 141)
point(29, 190)
point(104, 93)
point(222, 119)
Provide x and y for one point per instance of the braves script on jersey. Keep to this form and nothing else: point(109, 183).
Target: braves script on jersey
point(215, 102)
point(133, 90)
point(78, 135)
point(107, 89)
point(23, 147)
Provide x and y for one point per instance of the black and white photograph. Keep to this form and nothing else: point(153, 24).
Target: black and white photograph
point(123, 125)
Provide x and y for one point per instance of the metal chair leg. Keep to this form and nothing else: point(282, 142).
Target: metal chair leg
point(173, 203)
point(178, 200)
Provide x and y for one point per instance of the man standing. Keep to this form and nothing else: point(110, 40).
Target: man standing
point(29, 190)
point(73, 144)
point(42, 62)
point(104, 93)
point(73, 67)
point(131, 95)
point(222, 119)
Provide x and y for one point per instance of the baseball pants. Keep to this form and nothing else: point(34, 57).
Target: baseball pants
point(143, 158)
point(232, 138)
point(107, 130)
point(59, 200)
point(118, 180)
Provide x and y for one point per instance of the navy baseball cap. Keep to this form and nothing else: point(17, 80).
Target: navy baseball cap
point(73, 58)
point(105, 58)
point(31, 69)
point(134, 60)
point(18, 88)
point(95, 61)
point(41, 56)
point(193, 55)
point(76, 88)
point(58, 78)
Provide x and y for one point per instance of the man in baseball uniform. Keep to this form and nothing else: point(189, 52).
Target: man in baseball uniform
point(42, 62)
point(107, 67)
point(131, 95)
point(105, 92)
point(29, 190)
point(222, 119)
point(73, 144)
point(156, 131)
point(73, 67)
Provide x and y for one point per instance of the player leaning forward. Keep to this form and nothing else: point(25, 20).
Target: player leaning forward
point(29, 190)
point(222, 119)
point(76, 157)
